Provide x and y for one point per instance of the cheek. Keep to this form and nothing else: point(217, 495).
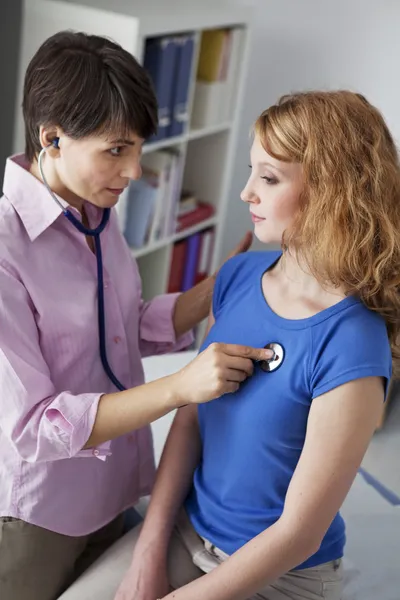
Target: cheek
point(285, 206)
point(93, 173)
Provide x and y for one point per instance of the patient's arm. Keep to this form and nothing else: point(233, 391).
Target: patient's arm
point(175, 474)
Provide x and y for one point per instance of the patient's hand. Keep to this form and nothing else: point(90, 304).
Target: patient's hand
point(145, 580)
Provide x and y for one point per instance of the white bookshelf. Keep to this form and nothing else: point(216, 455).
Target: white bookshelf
point(208, 152)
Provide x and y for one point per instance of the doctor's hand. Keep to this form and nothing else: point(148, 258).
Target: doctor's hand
point(218, 370)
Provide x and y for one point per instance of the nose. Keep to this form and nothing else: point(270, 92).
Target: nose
point(132, 170)
point(247, 195)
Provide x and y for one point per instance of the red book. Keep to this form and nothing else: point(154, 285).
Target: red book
point(177, 267)
point(201, 213)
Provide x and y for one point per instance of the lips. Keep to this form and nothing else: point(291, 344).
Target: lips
point(255, 218)
point(116, 191)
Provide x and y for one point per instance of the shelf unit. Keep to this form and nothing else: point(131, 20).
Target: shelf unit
point(208, 152)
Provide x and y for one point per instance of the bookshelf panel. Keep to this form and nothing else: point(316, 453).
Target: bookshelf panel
point(154, 271)
point(138, 252)
point(206, 131)
point(205, 166)
point(172, 142)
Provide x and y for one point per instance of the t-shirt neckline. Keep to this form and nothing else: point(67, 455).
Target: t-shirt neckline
point(298, 323)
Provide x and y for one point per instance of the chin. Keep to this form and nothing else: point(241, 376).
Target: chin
point(110, 203)
point(106, 202)
point(268, 238)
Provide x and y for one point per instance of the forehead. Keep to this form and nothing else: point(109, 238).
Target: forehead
point(129, 138)
point(261, 157)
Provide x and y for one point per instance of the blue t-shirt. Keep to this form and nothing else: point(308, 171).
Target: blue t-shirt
point(252, 439)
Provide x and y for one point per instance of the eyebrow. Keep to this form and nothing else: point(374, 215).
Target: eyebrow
point(122, 141)
point(267, 164)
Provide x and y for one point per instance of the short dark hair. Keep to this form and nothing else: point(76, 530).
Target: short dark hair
point(86, 84)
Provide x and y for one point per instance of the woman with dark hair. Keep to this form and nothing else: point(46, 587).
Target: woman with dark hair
point(75, 451)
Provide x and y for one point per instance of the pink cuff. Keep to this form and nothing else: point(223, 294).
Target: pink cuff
point(75, 427)
point(101, 452)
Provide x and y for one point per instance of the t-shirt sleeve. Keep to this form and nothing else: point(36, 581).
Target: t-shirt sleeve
point(237, 272)
point(226, 277)
point(357, 347)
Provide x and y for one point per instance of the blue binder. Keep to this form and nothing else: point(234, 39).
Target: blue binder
point(192, 254)
point(159, 62)
point(140, 209)
point(179, 109)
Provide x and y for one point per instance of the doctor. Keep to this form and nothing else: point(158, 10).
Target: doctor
point(75, 451)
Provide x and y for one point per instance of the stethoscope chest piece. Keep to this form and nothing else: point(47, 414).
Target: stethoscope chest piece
point(275, 362)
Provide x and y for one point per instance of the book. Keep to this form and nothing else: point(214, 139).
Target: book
point(201, 213)
point(191, 260)
point(177, 267)
point(192, 254)
point(232, 74)
point(211, 56)
point(217, 77)
point(205, 254)
point(172, 200)
point(160, 62)
point(157, 167)
point(183, 69)
point(187, 203)
point(140, 205)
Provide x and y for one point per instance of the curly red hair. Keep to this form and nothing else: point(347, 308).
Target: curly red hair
point(348, 227)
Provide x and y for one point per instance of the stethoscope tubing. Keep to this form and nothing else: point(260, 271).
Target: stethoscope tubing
point(95, 233)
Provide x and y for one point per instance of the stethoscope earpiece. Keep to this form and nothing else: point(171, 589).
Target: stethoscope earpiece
point(272, 364)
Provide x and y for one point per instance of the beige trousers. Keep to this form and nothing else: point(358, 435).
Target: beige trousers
point(189, 558)
point(37, 564)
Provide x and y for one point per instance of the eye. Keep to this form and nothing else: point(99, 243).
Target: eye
point(269, 180)
point(116, 151)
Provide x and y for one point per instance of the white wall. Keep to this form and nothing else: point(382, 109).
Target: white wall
point(305, 44)
point(297, 45)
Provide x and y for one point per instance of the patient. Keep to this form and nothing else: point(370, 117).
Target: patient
point(247, 498)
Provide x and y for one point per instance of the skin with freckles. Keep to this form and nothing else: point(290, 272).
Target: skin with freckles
point(272, 193)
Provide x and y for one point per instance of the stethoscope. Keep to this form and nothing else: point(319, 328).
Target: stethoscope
point(273, 363)
point(269, 365)
point(95, 233)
